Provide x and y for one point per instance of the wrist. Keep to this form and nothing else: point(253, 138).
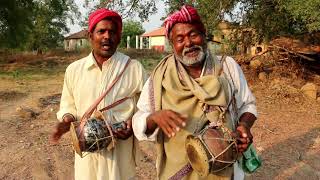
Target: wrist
point(151, 125)
point(245, 124)
point(247, 119)
point(68, 117)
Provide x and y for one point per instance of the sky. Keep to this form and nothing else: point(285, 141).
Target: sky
point(153, 22)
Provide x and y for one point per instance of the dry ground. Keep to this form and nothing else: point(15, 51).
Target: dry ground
point(287, 133)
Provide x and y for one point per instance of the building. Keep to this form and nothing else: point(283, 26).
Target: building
point(223, 40)
point(76, 41)
point(156, 39)
point(228, 33)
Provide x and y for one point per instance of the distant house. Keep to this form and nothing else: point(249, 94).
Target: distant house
point(224, 35)
point(157, 39)
point(76, 41)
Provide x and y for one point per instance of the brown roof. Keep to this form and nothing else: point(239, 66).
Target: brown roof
point(79, 35)
point(157, 32)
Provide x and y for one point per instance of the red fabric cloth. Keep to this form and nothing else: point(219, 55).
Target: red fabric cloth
point(103, 13)
point(187, 14)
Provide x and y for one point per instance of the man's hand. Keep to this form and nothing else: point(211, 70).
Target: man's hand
point(243, 136)
point(169, 121)
point(243, 133)
point(125, 131)
point(61, 128)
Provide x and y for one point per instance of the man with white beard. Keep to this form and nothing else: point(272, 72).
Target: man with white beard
point(171, 105)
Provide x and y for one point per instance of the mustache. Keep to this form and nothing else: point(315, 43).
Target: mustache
point(193, 48)
point(106, 43)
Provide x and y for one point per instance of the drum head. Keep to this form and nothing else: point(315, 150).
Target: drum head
point(75, 140)
point(197, 155)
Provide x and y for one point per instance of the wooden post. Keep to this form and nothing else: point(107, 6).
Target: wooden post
point(141, 42)
point(128, 42)
point(137, 42)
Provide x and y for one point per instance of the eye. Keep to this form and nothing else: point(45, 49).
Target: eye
point(100, 31)
point(194, 35)
point(112, 32)
point(179, 39)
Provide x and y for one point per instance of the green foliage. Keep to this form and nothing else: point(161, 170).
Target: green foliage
point(50, 23)
point(131, 28)
point(15, 22)
point(211, 12)
point(34, 24)
point(127, 8)
point(308, 12)
point(269, 18)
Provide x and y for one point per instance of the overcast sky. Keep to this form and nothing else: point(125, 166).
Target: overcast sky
point(153, 22)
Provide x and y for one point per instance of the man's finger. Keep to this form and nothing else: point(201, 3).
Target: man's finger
point(170, 130)
point(164, 129)
point(181, 120)
point(242, 140)
point(128, 123)
point(174, 125)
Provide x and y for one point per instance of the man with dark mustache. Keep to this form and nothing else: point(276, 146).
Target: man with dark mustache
point(181, 93)
point(85, 81)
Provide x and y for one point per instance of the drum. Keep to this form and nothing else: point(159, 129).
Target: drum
point(91, 136)
point(212, 150)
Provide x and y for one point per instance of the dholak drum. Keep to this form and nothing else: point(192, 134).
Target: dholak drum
point(211, 151)
point(94, 135)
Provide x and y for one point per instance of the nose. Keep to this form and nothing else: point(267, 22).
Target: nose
point(106, 35)
point(188, 42)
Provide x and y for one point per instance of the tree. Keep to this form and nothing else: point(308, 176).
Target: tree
point(15, 22)
point(131, 28)
point(211, 11)
point(269, 18)
point(34, 24)
point(308, 12)
point(50, 23)
point(127, 8)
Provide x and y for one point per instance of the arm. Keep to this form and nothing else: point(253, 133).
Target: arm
point(140, 76)
point(245, 102)
point(67, 111)
point(146, 123)
point(139, 120)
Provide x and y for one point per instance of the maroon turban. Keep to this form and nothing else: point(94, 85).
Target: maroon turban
point(187, 14)
point(103, 13)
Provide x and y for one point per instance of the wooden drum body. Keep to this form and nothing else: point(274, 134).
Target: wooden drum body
point(211, 151)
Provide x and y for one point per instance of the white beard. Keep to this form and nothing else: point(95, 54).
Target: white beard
point(190, 61)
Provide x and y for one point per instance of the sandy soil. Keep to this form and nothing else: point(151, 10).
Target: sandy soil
point(286, 135)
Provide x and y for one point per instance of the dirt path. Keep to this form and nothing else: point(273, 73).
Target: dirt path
point(287, 134)
point(24, 149)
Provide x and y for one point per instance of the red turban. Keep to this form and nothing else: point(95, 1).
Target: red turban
point(103, 13)
point(187, 14)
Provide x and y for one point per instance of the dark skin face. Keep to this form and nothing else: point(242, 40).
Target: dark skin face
point(184, 35)
point(104, 40)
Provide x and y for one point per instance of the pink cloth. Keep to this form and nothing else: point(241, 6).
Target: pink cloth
point(187, 14)
point(103, 13)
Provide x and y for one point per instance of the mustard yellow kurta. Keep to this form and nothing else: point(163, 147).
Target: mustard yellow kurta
point(84, 82)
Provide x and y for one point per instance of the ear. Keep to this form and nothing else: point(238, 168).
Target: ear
point(90, 35)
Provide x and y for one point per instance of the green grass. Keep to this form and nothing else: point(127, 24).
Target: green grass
point(149, 64)
point(33, 67)
point(33, 73)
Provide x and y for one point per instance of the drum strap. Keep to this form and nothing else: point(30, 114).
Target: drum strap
point(185, 170)
point(182, 172)
point(91, 109)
